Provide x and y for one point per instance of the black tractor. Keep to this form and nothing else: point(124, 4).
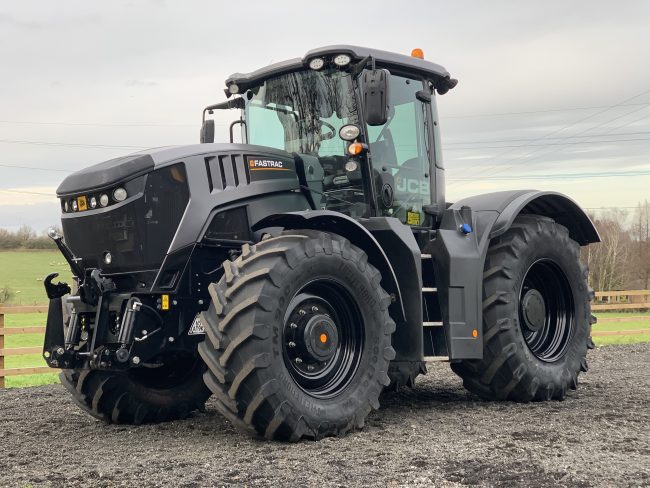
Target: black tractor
point(297, 275)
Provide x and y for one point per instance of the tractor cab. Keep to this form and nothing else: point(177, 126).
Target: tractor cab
point(363, 122)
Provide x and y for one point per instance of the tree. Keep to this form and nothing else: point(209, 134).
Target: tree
point(641, 246)
point(609, 260)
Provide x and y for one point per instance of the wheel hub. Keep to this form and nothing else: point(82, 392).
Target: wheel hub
point(533, 310)
point(320, 337)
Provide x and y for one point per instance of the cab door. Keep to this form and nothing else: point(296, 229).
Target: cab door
point(401, 147)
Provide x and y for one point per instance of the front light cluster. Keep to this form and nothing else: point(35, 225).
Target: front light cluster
point(340, 60)
point(91, 202)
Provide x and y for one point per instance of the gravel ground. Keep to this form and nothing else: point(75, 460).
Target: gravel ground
point(437, 434)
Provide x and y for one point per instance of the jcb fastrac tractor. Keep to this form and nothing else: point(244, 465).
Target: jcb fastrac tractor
point(296, 275)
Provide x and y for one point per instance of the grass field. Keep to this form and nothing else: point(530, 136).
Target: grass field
point(24, 271)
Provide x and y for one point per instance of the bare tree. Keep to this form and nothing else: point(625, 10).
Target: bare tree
point(641, 246)
point(609, 260)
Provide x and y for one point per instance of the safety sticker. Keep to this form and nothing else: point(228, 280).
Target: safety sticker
point(413, 218)
point(197, 327)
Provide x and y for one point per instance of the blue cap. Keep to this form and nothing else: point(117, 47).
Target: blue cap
point(466, 229)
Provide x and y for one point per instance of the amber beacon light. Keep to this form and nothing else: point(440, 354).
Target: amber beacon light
point(417, 53)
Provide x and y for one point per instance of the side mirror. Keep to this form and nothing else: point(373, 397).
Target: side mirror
point(207, 131)
point(375, 96)
point(423, 96)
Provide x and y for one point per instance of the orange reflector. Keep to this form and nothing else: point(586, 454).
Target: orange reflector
point(323, 338)
point(417, 53)
point(475, 333)
point(355, 148)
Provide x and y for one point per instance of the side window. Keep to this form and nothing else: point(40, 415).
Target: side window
point(400, 147)
point(268, 130)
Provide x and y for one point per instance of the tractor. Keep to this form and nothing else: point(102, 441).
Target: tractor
point(294, 276)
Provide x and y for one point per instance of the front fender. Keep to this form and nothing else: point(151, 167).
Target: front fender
point(335, 222)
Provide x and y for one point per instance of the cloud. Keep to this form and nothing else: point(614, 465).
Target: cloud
point(140, 83)
point(10, 20)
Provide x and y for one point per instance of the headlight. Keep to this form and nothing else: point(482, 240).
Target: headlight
point(342, 60)
point(103, 199)
point(74, 205)
point(351, 166)
point(108, 258)
point(349, 132)
point(316, 63)
point(119, 194)
point(93, 202)
point(66, 206)
point(233, 88)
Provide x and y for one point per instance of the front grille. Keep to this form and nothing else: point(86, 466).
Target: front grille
point(137, 232)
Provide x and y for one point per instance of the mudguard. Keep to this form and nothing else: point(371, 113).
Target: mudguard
point(495, 213)
point(357, 234)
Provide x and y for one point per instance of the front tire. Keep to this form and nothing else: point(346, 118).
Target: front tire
point(139, 396)
point(536, 315)
point(298, 337)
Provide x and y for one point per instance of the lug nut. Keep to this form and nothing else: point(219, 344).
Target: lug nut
point(314, 309)
point(171, 339)
point(298, 360)
point(60, 351)
point(292, 344)
point(310, 367)
point(293, 326)
point(302, 312)
point(136, 360)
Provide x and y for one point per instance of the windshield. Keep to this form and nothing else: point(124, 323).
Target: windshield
point(301, 113)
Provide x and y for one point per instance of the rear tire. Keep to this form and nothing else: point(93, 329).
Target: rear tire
point(138, 396)
point(265, 368)
point(536, 315)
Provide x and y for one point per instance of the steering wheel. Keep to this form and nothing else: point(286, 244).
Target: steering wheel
point(327, 135)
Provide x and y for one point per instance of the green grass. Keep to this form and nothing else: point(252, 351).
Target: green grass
point(623, 339)
point(23, 272)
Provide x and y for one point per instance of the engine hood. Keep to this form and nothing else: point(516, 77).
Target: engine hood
point(108, 173)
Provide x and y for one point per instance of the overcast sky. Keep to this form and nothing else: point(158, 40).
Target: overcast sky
point(552, 95)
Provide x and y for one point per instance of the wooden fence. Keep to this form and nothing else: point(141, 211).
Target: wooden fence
point(19, 351)
point(605, 301)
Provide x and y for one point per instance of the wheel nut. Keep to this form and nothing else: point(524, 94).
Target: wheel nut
point(310, 367)
point(314, 309)
point(136, 360)
point(292, 344)
point(60, 351)
point(293, 326)
point(302, 312)
point(298, 360)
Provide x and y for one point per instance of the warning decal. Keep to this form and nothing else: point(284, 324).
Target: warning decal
point(197, 327)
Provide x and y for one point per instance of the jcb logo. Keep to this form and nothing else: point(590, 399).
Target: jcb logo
point(411, 185)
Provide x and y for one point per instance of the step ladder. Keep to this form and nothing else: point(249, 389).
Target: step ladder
point(428, 325)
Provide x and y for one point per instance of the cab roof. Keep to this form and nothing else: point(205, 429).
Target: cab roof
point(435, 73)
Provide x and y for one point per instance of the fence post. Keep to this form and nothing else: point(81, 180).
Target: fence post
point(2, 346)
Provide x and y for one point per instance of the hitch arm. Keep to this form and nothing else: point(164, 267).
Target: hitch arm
point(77, 270)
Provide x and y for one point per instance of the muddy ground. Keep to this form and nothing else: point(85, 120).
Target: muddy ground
point(435, 435)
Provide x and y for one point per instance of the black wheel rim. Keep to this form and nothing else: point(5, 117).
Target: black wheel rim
point(322, 338)
point(546, 310)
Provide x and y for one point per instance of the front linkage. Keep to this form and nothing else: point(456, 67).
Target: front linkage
point(106, 329)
